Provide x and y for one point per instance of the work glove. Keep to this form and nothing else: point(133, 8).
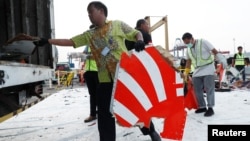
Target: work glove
point(139, 46)
point(222, 60)
point(186, 74)
point(41, 42)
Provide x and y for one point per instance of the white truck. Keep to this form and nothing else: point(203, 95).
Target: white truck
point(24, 67)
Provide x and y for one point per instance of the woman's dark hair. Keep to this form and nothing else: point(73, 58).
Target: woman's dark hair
point(99, 5)
point(139, 23)
point(187, 36)
point(183, 62)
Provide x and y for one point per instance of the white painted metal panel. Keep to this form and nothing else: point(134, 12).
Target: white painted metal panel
point(17, 73)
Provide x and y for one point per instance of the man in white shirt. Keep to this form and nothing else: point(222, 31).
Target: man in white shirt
point(200, 54)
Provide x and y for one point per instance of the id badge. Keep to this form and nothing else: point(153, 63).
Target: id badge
point(105, 51)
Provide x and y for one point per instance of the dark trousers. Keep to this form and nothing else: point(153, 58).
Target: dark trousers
point(147, 131)
point(91, 78)
point(239, 68)
point(106, 122)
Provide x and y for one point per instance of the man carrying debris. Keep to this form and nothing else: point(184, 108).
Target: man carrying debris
point(107, 44)
point(200, 53)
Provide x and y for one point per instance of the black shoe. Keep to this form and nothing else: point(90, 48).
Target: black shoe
point(201, 110)
point(209, 112)
point(155, 136)
point(89, 119)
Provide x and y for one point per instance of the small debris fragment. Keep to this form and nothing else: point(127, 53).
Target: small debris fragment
point(129, 133)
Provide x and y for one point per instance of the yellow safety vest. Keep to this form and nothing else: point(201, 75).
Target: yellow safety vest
point(198, 61)
point(239, 60)
point(90, 64)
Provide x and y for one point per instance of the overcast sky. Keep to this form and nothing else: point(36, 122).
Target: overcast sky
point(218, 21)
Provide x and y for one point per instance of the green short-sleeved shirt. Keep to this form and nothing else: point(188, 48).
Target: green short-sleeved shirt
point(112, 36)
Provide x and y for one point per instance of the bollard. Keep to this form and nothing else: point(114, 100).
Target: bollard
point(58, 78)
